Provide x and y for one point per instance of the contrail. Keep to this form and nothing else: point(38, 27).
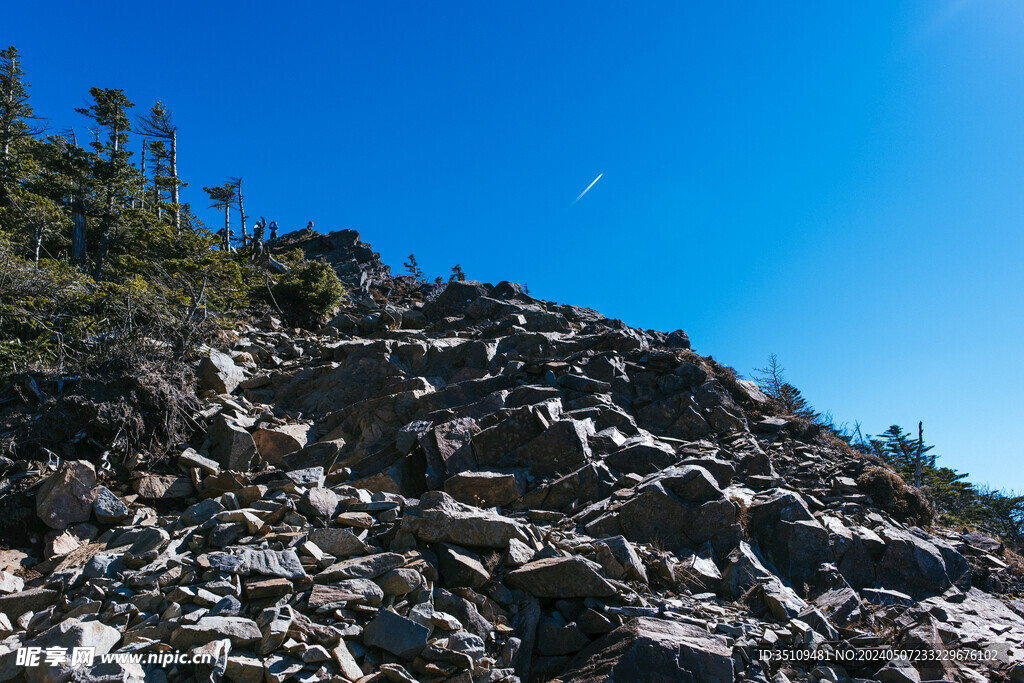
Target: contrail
point(588, 188)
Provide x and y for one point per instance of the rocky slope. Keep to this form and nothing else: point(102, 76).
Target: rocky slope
point(463, 483)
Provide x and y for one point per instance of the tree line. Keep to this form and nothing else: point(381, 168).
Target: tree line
point(957, 500)
point(95, 242)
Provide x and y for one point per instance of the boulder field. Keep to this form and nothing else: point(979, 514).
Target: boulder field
point(463, 483)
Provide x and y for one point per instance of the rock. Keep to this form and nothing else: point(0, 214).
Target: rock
point(158, 487)
point(641, 458)
point(273, 623)
point(584, 384)
point(190, 458)
point(240, 631)
point(329, 596)
point(399, 581)
point(218, 372)
point(440, 518)
point(320, 454)
point(200, 512)
point(273, 444)
point(562, 448)
point(653, 650)
point(67, 635)
point(555, 637)
point(231, 445)
point(283, 563)
point(624, 554)
point(396, 634)
point(920, 565)
point(346, 662)
point(518, 553)
point(31, 600)
point(486, 489)
point(9, 583)
point(460, 568)
point(108, 508)
point(66, 496)
point(369, 567)
point(320, 503)
point(337, 542)
point(560, 577)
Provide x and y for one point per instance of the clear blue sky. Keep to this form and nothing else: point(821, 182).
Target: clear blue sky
point(838, 183)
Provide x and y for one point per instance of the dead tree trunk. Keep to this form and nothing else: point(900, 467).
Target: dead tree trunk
point(920, 454)
point(142, 196)
point(174, 182)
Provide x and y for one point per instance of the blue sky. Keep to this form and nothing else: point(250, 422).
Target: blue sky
point(837, 183)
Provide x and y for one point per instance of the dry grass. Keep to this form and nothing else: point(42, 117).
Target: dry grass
point(888, 490)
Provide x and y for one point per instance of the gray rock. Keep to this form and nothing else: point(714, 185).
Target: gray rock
point(108, 508)
point(218, 372)
point(200, 512)
point(621, 552)
point(461, 568)
point(486, 489)
point(641, 458)
point(66, 496)
point(368, 567)
point(918, 564)
point(231, 445)
point(584, 384)
point(337, 542)
point(283, 563)
point(320, 454)
point(159, 487)
point(396, 634)
point(653, 650)
point(440, 518)
point(273, 623)
point(560, 577)
point(67, 635)
point(399, 581)
point(319, 502)
point(9, 583)
point(240, 631)
point(275, 443)
point(31, 600)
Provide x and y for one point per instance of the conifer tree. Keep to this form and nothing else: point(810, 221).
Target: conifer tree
point(413, 267)
point(221, 197)
point(159, 125)
point(110, 124)
point(457, 274)
point(16, 116)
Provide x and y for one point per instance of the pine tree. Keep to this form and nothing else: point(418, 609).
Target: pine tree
point(413, 267)
point(771, 380)
point(457, 274)
point(159, 125)
point(221, 197)
point(16, 117)
point(110, 125)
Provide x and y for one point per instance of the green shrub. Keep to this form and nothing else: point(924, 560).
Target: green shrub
point(309, 291)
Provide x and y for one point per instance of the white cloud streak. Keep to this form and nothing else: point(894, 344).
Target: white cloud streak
point(588, 188)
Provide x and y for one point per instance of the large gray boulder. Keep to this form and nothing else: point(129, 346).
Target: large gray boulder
point(231, 445)
point(560, 577)
point(218, 372)
point(919, 564)
point(67, 495)
point(648, 649)
point(440, 517)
